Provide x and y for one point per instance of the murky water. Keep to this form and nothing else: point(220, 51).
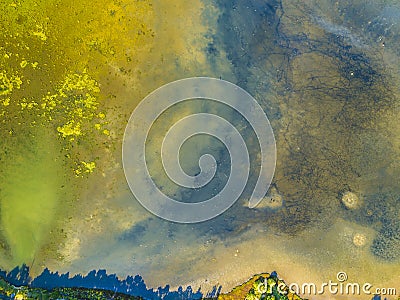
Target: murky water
point(325, 73)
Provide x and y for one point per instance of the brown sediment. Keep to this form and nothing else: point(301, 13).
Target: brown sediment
point(327, 101)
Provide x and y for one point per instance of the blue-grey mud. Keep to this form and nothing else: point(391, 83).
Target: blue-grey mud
point(325, 73)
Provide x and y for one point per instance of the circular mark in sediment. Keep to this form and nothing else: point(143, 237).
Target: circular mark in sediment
point(359, 239)
point(350, 200)
point(153, 106)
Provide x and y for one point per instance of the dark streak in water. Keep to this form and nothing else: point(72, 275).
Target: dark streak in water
point(325, 95)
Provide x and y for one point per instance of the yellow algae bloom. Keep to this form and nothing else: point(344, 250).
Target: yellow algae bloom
point(77, 99)
point(85, 167)
point(40, 33)
point(70, 129)
point(90, 166)
point(6, 102)
point(9, 83)
point(79, 82)
point(23, 63)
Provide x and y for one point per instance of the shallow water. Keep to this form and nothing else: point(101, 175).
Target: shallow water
point(325, 74)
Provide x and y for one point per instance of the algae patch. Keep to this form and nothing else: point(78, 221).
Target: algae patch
point(30, 193)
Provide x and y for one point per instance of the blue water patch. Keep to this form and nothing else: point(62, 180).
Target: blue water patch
point(99, 279)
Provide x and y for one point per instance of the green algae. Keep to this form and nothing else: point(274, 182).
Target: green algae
point(32, 169)
point(54, 129)
point(31, 192)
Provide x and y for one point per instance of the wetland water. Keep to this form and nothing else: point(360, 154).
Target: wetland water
point(325, 73)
